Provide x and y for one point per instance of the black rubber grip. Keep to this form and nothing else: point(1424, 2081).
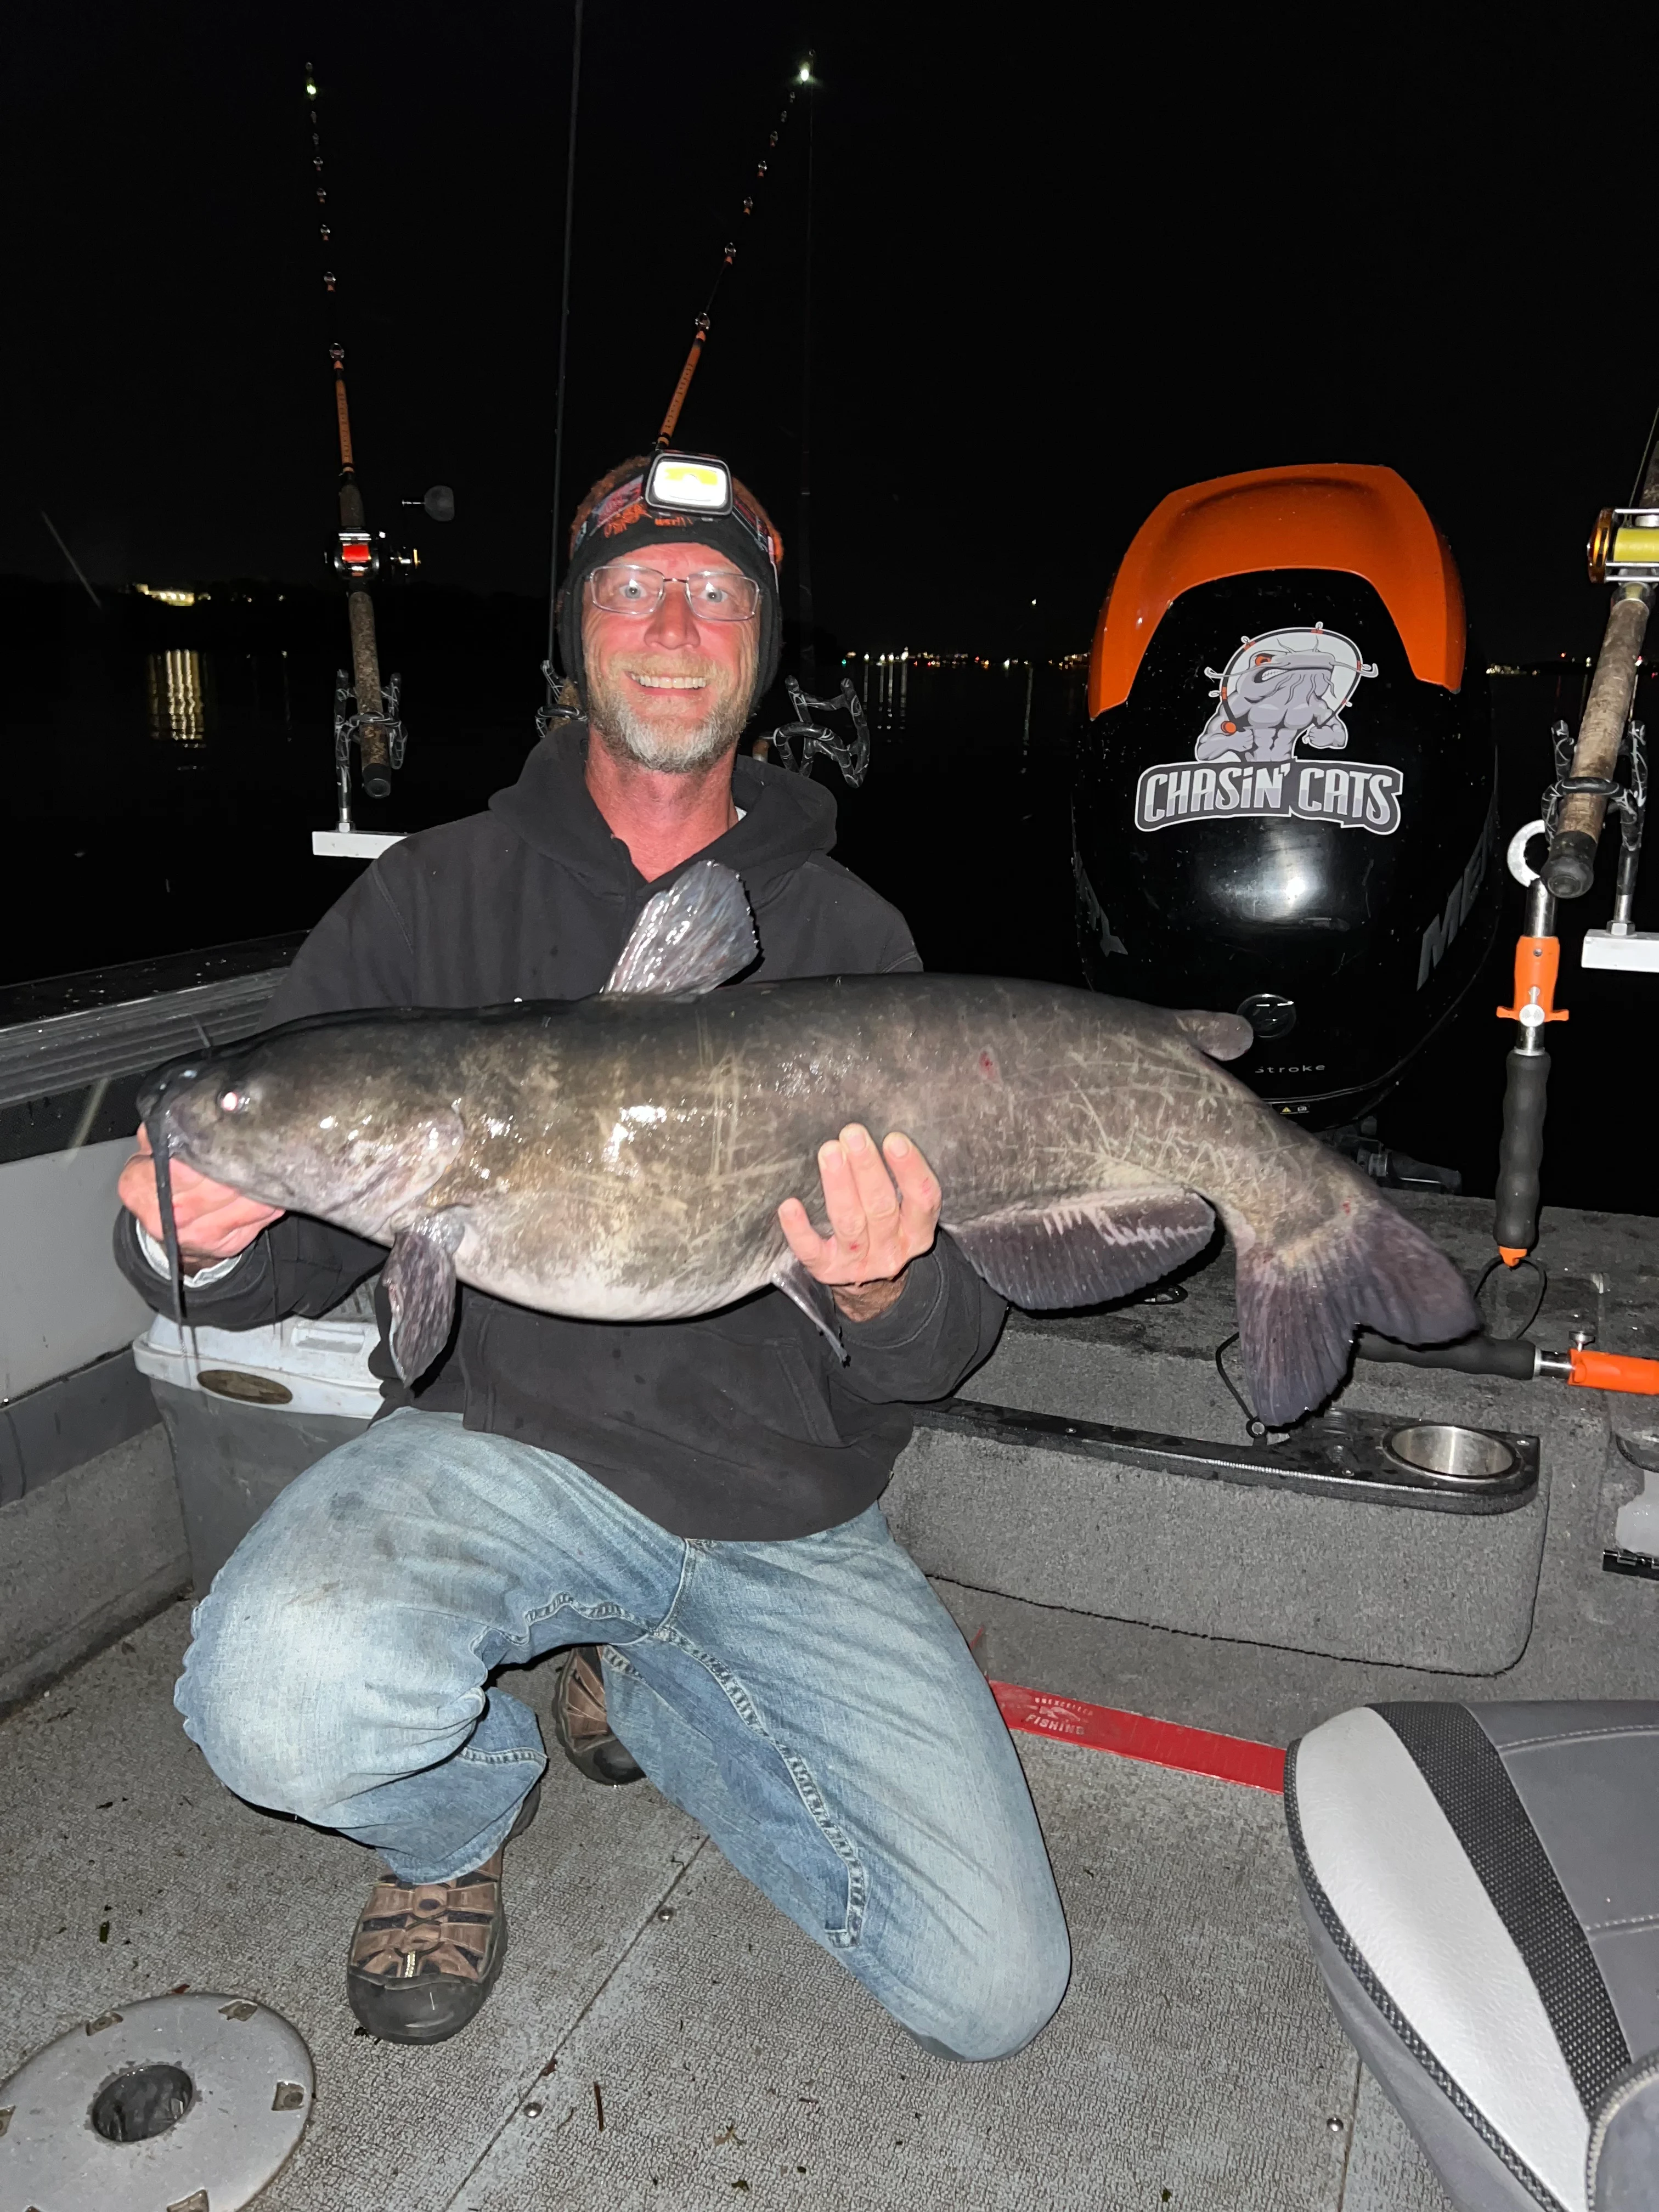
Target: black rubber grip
point(1521, 1152)
point(1475, 1355)
point(1570, 868)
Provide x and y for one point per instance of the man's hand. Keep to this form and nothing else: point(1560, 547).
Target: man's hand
point(875, 1228)
point(213, 1221)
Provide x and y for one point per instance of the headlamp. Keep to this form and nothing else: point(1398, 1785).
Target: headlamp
point(671, 497)
point(688, 483)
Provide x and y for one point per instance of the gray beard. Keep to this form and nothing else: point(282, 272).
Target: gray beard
point(627, 735)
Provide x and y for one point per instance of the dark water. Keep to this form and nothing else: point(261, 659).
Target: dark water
point(166, 767)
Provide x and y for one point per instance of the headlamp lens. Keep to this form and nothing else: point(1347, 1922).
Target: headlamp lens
point(688, 484)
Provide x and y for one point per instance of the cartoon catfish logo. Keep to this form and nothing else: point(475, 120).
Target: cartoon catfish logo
point(1284, 690)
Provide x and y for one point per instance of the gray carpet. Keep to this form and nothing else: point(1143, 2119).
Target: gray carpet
point(1194, 2063)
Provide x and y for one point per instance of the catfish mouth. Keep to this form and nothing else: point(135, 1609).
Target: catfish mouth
point(194, 1111)
point(158, 1102)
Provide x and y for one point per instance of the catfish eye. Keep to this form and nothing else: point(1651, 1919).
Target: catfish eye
point(231, 1102)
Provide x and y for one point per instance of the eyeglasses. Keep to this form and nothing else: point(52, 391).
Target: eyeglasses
point(720, 595)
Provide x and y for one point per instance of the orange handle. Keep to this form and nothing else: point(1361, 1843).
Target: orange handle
point(1615, 1371)
point(340, 409)
point(672, 416)
point(1537, 962)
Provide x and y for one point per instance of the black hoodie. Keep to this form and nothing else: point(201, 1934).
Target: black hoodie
point(740, 1425)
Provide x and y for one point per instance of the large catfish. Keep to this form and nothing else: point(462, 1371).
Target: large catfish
point(624, 1158)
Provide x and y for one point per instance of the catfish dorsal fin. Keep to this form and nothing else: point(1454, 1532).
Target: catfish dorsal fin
point(1220, 1037)
point(697, 934)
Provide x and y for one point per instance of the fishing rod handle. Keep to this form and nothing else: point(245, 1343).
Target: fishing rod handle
point(373, 730)
point(1571, 867)
point(1515, 1358)
point(1520, 1153)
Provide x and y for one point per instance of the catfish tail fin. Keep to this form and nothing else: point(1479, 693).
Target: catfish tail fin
point(1363, 1267)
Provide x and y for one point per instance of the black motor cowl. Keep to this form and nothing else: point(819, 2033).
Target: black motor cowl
point(1280, 814)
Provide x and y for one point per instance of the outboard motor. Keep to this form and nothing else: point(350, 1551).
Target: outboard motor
point(1284, 802)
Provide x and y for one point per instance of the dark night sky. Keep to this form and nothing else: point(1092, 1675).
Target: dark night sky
point(1055, 275)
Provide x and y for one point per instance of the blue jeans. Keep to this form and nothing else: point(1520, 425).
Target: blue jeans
point(811, 1704)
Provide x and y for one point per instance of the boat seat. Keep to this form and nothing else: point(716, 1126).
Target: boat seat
point(1482, 1886)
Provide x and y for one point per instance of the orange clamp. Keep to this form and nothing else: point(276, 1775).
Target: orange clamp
point(1615, 1371)
point(1537, 962)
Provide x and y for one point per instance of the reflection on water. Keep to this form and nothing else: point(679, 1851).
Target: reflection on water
point(178, 706)
point(883, 681)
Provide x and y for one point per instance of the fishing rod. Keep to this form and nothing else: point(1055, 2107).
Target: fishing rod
point(796, 744)
point(375, 726)
point(365, 708)
point(561, 701)
point(1623, 551)
point(549, 664)
point(703, 319)
point(799, 742)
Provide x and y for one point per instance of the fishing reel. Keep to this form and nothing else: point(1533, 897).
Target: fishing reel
point(1624, 546)
point(356, 560)
point(797, 743)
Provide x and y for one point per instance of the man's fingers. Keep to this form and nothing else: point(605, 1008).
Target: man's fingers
point(918, 1184)
point(875, 1228)
point(871, 1179)
point(210, 1217)
point(843, 1201)
point(804, 1240)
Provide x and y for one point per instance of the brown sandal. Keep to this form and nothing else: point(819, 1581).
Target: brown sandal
point(581, 1724)
point(425, 1954)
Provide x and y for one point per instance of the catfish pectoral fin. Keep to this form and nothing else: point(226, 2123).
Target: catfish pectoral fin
point(1365, 1267)
point(1079, 1251)
point(419, 1280)
point(815, 1300)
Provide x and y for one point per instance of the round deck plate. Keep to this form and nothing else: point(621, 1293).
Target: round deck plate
point(253, 2078)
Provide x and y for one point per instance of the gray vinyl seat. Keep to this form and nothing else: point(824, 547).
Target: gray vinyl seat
point(1482, 1886)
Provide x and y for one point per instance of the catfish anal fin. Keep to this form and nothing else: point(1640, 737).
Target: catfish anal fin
point(697, 934)
point(419, 1281)
point(1081, 1251)
point(814, 1299)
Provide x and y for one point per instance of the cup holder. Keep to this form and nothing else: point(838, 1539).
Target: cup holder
point(1461, 1458)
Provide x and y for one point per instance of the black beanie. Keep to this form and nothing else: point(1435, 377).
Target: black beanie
point(614, 521)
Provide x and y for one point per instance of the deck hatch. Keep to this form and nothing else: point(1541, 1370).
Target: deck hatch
point(191, 2100)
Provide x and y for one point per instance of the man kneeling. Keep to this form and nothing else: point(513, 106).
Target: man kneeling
point(686, 1511)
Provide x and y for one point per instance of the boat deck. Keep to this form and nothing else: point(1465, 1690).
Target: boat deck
point(1194, 2063)
point(660, 2036)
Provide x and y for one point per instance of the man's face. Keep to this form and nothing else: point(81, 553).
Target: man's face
point(669, 691)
